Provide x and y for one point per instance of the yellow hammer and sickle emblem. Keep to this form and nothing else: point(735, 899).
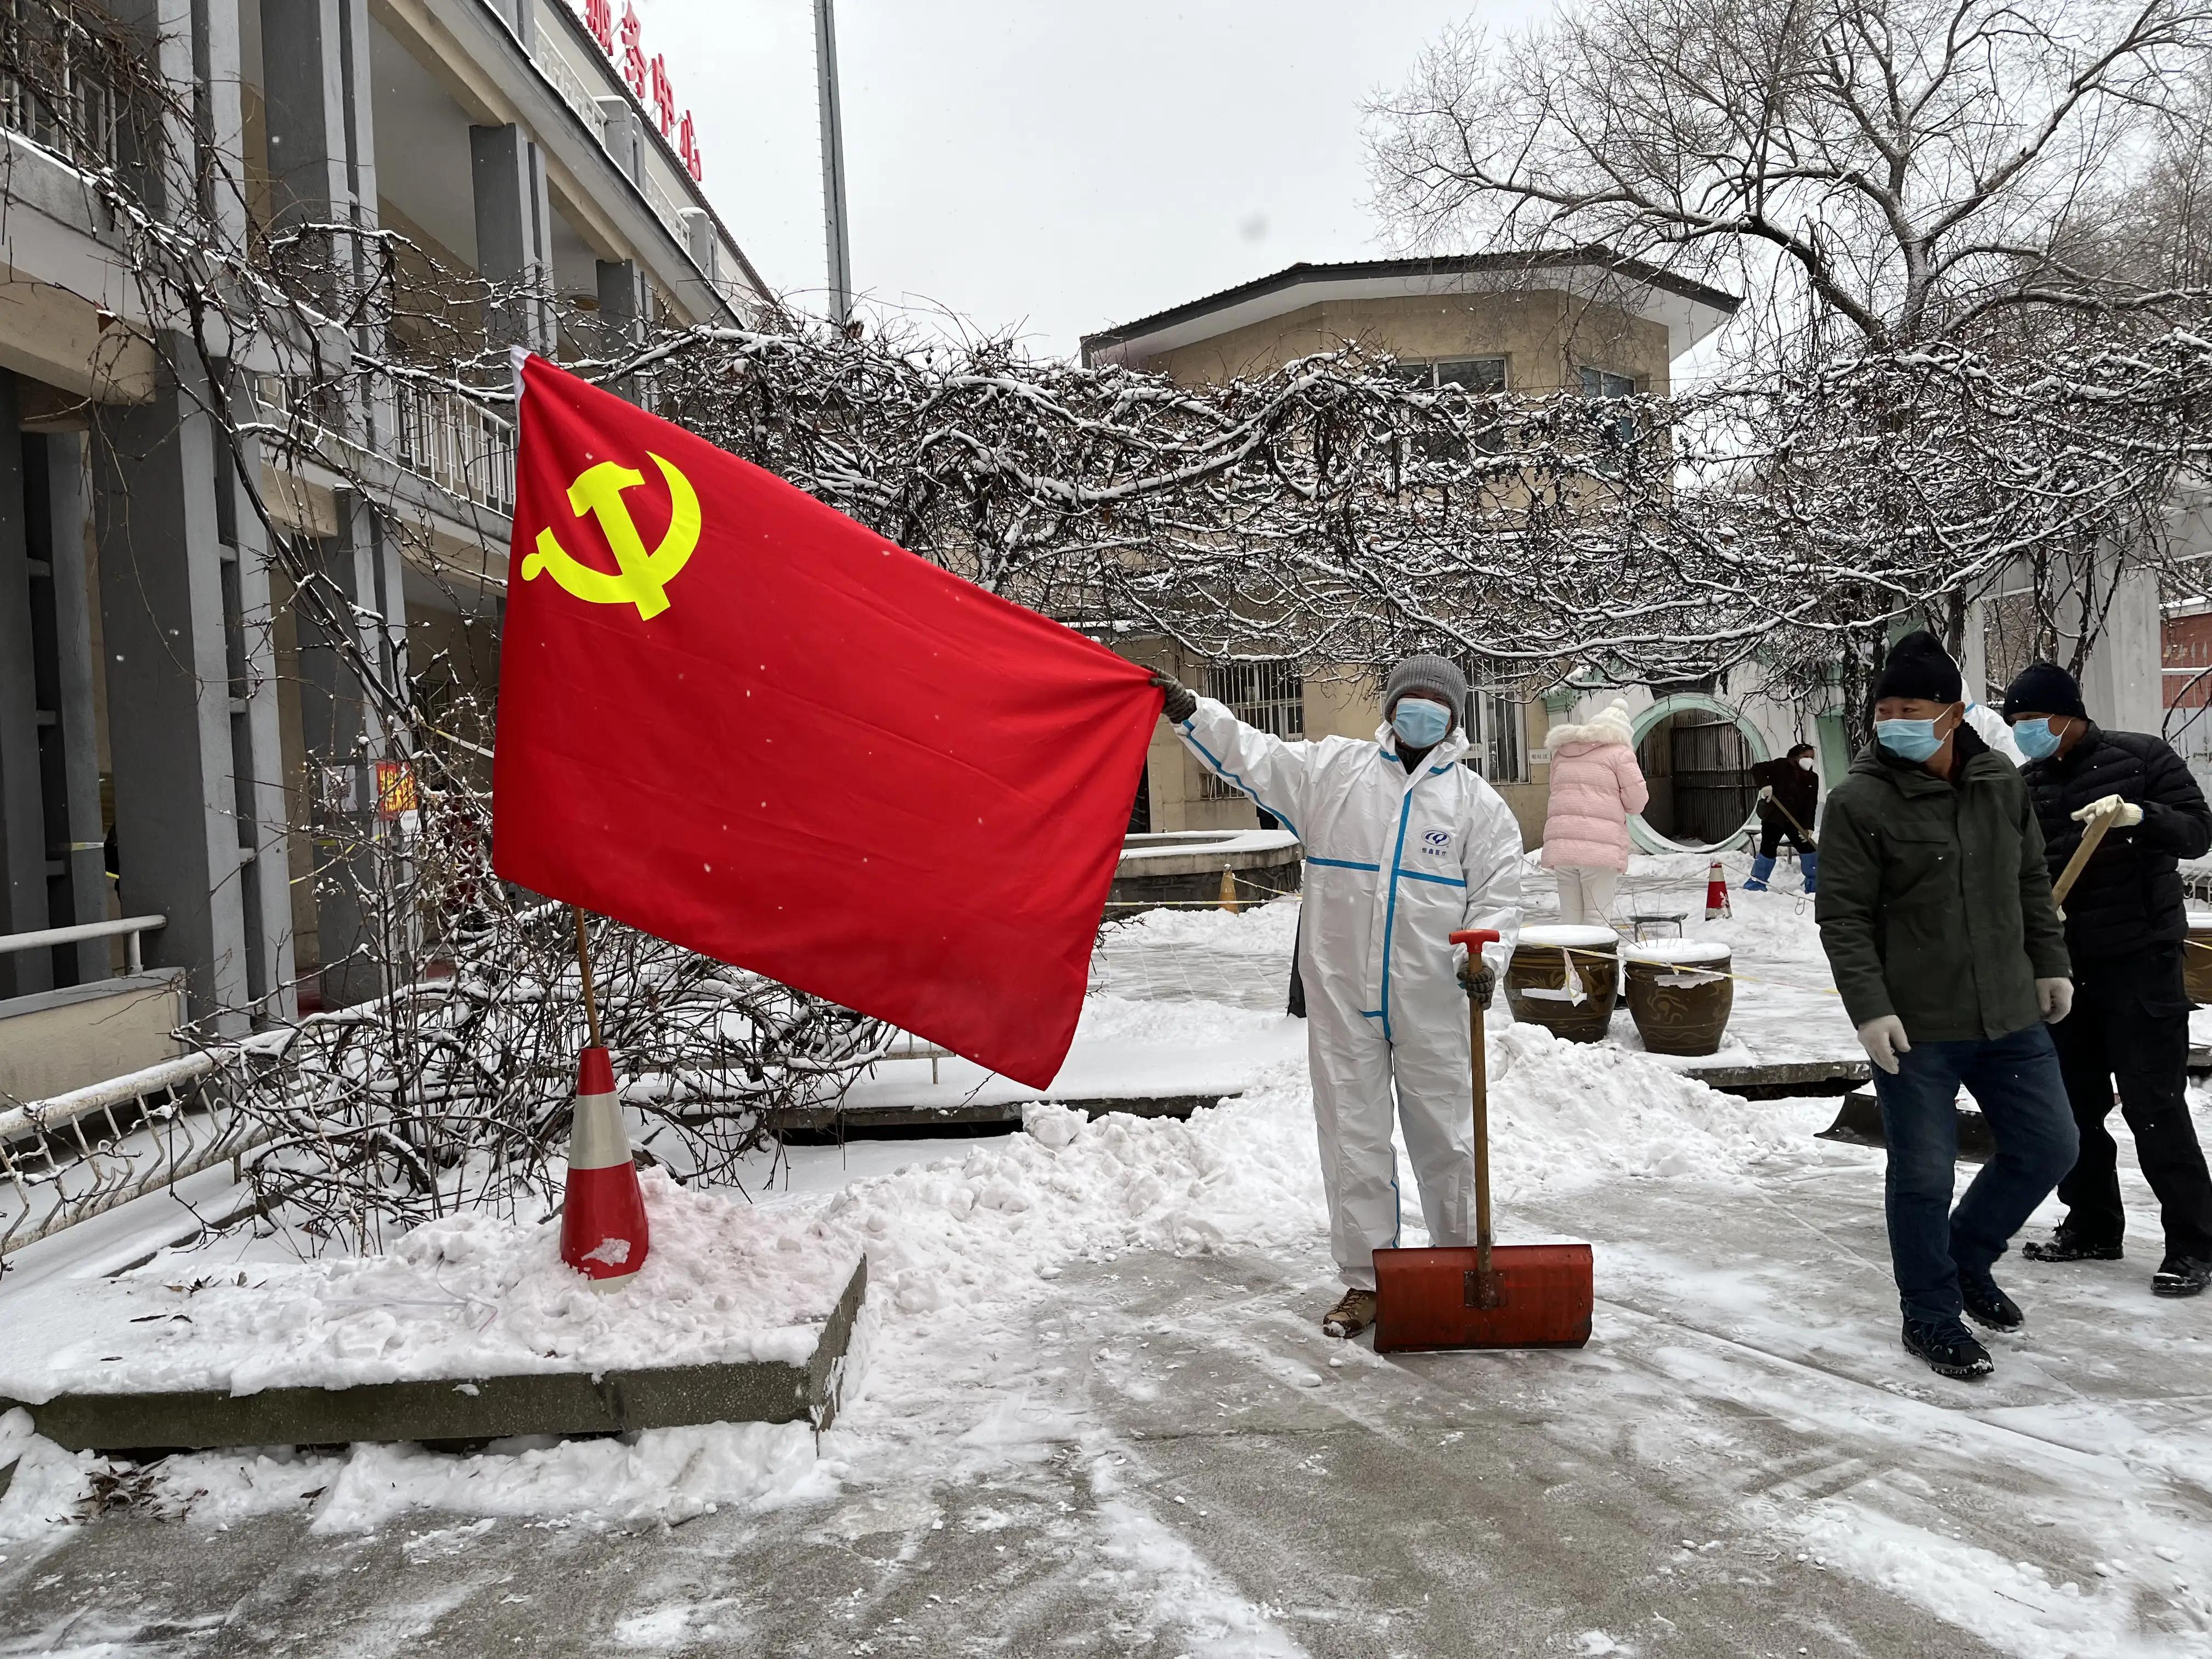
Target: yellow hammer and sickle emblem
point(644, 577)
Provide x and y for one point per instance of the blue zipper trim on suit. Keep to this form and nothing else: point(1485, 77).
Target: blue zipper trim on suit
point(1228, 776)
point(1371, 1013)
point(1390, 914)
point(1423, 875)
point(1342, 864)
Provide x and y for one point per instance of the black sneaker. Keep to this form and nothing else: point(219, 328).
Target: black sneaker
point(2180, 1275)
point(1988, 1305)
point(2067, 1245)
point(1949, 1353)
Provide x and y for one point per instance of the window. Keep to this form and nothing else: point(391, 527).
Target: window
point(1270, 695)
point(1495, 745)
point(1600, 386)
point(1475, 374)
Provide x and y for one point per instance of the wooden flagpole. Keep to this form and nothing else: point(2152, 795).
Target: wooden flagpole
point(584, 967)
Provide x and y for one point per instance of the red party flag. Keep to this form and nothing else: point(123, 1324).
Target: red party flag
point(732, 717)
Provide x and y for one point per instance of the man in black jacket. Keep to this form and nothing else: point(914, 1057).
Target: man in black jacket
point(1789, 796)
point(2125, 928)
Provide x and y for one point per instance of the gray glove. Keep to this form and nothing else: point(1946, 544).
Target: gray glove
point(1477, 979)
point(1182, 702)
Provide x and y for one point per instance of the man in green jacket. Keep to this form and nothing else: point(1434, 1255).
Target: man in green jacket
point(1935, 909)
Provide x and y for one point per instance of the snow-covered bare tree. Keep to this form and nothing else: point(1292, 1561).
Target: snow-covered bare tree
point(1900, 169)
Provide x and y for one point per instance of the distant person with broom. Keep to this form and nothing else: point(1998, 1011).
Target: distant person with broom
point(2126, 929)
point(1934, 910)
point(1788, 797)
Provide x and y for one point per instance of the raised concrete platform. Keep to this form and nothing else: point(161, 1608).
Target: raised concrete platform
point(1185, 867)
point(446, 1410)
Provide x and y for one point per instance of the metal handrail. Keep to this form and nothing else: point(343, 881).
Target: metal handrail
point(133, 926)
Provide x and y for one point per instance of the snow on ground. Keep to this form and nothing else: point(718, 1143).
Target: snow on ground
point(954, 1242)
point(999, 1266)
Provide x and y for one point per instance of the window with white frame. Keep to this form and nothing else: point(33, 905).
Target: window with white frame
point(1477, 375)
point(1495, 743)
point(1602, 386)
point(1269, 693)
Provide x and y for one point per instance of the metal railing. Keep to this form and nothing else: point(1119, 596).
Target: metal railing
point(451, 440)
point(128, 928)
point(459, 445)
point(73, 1156)
point(570, 82)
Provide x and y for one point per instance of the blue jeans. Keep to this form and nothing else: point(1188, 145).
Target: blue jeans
point(2016, 1081)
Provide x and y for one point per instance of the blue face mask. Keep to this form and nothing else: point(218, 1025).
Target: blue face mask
point(1913, 740)
point(1419, 723)
point(2035, 738)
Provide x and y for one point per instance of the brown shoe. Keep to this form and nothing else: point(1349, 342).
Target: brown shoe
point(1353, 1313)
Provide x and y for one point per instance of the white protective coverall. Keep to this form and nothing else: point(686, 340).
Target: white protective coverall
point(1395, 865)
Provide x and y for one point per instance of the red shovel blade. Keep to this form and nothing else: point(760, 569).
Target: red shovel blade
point(1539, 1295)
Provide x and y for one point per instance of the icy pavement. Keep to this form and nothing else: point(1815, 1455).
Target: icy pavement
point(1097, 1416)
point(1160, 1458)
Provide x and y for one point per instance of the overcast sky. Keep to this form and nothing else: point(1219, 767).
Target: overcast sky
point(1055, 167)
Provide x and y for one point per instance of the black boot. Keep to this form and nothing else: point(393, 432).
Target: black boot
point(2067, 1245)
point(2180, 1275)
point(1988, 1305)
point(1949, 1352)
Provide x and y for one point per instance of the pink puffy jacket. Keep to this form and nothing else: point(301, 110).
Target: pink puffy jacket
point(1596, 785)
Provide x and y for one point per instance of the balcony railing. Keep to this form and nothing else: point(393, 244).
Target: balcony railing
point(458, 444)
point(441, 435)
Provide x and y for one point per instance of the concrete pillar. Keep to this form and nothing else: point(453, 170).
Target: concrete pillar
point(23, 901)
point(624, 135)
point(266, 887)
point(2120, 679)
point(514, 220)
point(171, 685)
point(623, 302)
point(68, 520)
point(304, 73)
point(345, 733)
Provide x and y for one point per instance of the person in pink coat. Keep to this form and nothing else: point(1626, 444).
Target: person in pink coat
point(1596, 785)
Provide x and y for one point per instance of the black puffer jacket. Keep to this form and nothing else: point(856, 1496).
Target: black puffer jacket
point(1797, 792)
point(2129, 896)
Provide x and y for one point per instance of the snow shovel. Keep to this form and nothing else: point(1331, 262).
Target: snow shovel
point(2090, 836)
point(1491, 1296)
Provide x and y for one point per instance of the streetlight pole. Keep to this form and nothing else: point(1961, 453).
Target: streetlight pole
point(833, 163)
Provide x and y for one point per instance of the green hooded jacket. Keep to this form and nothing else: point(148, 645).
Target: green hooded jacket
point(1934, 902)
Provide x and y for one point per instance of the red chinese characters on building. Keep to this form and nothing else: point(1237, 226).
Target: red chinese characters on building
point(687, 146)
point(663, 96)
point(624, 41)
point(632, 56)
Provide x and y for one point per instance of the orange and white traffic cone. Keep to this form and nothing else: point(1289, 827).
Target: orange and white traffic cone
point(602, 1229)
point(1716, 898)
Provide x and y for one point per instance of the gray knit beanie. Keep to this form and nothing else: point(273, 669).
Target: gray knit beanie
point(1436, 675)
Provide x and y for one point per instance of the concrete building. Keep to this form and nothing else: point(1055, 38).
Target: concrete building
point(1542, 323)
point(166, 711)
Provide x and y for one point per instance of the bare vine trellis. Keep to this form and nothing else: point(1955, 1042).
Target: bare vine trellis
point(1328, 511)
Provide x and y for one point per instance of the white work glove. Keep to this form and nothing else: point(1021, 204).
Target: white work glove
point(2130, 814)
point(2057, 998)
point(1767, 792)
point(1884, 1041)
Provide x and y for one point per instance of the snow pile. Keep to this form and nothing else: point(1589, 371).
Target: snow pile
point(1265, 929)
point(1568, 1114)
point(959, 1250)
point(464, 1296)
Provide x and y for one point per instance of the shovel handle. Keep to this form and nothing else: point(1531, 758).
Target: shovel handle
point(1487, 1291)
point(2090, 836)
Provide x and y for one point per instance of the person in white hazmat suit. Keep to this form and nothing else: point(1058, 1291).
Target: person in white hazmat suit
point(1404, 846)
